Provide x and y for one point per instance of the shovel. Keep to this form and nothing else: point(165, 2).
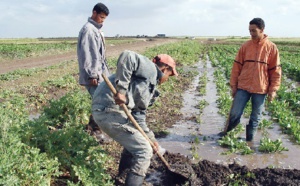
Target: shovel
point(172, 171)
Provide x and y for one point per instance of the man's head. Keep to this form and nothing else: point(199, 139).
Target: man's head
point(100, 12)
point(167, 65)
point(256, 28)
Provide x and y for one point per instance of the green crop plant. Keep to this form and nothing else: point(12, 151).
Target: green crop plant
point(198, 119)
point(265, 124)
point(17, 74)
point(194, 147)
point(239, 179)
point(202, 84)
point(23, 73)
point(271, 146)
point(202, 104)
point(20, 164)
point(184, 53)
point(235, 144)
point(285, 108)
point(59, 133)
point(25, 50)
point(62, 82)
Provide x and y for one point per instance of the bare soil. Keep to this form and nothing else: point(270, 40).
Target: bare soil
point(202, 173)
point(213, 174)
point(112, 51)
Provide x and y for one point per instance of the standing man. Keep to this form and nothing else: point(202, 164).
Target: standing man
point(91, 52)
point(256, 73)
point(135, 80)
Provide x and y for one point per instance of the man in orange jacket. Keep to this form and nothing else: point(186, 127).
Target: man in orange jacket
point(256, 73)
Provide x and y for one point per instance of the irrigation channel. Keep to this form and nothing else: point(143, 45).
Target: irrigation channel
point(182, 135)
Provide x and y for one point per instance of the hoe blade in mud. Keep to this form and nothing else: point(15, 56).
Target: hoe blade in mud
point(180, 169)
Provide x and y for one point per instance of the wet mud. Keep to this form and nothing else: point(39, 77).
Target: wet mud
point(207, 165)
point(213, 174)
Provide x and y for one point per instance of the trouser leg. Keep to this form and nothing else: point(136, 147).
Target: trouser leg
point(258, 101)
point(239, 102)
point(92, 125)
point(117, 127)
point(125, 161)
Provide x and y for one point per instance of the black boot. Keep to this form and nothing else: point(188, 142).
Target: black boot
point(93, 124)
point(250, 133)
point(125, 162)
point(133, 179)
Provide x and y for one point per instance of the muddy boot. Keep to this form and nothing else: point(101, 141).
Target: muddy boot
point(125, 162)
point(101, 137)
point(93, 124)
point(229, 128)
point(222, 134)
point(93, 129)
point(133, 179)
point(250, 133)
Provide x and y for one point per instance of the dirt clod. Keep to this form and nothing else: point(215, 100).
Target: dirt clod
point(213, 174)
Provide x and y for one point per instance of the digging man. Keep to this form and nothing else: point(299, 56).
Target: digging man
point(135, 80)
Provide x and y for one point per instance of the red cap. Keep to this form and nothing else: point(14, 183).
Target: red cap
point(166, 59)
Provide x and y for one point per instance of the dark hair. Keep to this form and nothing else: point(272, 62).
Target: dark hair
point(100, 7)
point(161, 64)
point(259, 22)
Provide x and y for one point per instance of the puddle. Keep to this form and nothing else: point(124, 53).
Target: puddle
point(185, 130)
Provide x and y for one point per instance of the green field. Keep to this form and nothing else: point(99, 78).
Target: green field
point(54, 149)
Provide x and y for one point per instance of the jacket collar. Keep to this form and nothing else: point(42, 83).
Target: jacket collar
point(261, 41)
point(97, 25)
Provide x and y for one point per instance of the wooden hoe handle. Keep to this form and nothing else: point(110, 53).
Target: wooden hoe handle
point(137, 126)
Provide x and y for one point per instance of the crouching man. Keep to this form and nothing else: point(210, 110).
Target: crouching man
point(135, 80)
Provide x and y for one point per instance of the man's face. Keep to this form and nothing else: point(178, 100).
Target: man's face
point(255, 32)
point(99, 18)
point(167, 74)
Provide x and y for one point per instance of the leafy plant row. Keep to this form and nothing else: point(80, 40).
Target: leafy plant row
point(20, 51)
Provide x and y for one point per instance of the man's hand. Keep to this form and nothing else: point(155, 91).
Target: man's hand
point(271, 96)
point(156, 147)
point(94, 82)
point(120, 98)
point(233, 91)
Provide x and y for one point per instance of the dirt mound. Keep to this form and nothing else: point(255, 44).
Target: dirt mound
point(213, 174)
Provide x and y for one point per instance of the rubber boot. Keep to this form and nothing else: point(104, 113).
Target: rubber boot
point(229, 128)
point(125, 162)
point(133, 179)
point(93, 124)
point(250, 133)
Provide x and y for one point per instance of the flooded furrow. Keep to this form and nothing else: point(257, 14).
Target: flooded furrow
point(183, 134)
point(183, 131)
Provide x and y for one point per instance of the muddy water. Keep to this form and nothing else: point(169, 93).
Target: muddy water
point(185, 131)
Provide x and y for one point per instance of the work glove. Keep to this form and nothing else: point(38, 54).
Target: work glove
point(271, 95)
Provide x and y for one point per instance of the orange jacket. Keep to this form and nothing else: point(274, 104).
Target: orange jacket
point(256, 67)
